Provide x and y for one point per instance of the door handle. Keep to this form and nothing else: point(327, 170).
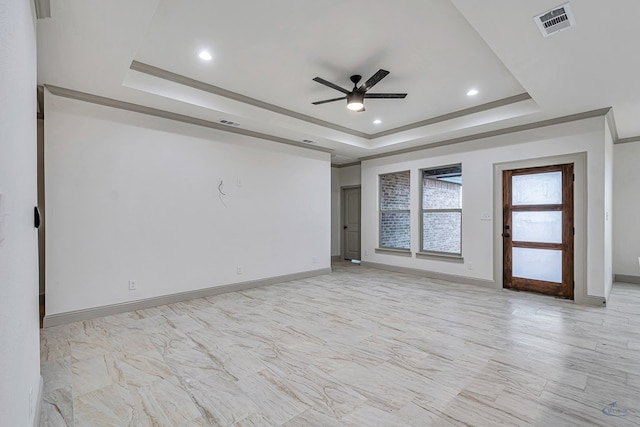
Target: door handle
point(344, 228)
point(506, 235)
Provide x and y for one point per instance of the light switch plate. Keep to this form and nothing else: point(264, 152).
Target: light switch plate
point(2, 229)
point(3, 220)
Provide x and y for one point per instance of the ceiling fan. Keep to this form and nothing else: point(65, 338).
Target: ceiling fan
point(355, 97)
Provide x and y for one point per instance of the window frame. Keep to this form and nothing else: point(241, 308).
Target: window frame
point(381, 211)
point(422, 253)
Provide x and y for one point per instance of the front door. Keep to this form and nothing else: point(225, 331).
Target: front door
point(538, 230)
point(351, 223)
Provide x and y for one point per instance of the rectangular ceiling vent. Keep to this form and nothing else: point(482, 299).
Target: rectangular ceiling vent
point(555, 20)
point(228, 123)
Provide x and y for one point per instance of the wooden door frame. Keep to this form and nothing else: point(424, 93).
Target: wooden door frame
point(343, 221)
point(565, 207)
point(579, 161)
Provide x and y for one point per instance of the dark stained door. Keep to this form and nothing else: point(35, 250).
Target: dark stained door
point(538, 230)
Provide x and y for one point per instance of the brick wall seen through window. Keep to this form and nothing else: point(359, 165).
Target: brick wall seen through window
point(395, 214)
point(441, 214)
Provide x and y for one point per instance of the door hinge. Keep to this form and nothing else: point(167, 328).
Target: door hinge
point(574, 231)
point(574, 177)
point(574, 285)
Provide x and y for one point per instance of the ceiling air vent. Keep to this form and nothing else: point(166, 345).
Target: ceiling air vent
point(555, 20)
point(228, 122)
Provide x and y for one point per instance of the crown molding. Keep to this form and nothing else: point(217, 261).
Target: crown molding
point(206, 87)
point(200, 85)
point(114, 103)
point(454, 115)
point(559, 120)
point(346, 165)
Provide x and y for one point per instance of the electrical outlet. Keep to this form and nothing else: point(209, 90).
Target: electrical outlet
point(366, 252)
point(133, 285)
point(238, 270)
point(469, 266)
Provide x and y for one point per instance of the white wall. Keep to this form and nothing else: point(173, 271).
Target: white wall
point(608, 210)
point(19, 333)
point(136, 197)
point(335, 211)
point(340, 177)
point(41, 205)
point(478, 159)
point(350, 176)
point(626, 209)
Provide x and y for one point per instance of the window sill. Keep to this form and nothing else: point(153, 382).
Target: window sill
point(398, 252)
point(440, 257)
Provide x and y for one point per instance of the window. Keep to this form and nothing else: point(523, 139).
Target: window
point(395, 216)
point(441, 210)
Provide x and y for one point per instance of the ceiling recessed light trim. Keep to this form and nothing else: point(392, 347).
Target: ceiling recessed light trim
point(377, 121)
point(472, 92)
point(205, 55)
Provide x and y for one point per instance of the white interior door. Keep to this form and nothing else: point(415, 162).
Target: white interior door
point(351, 223)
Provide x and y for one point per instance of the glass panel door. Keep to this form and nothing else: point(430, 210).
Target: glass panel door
point(537, 189)
point(537, 264)
point(537, 226)
point(538, 230)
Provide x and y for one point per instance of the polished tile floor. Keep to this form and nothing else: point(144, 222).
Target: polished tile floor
point(358, 347)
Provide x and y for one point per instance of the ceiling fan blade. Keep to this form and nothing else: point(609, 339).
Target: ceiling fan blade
point(328, 100)
point(381, 74)
point(331, 85)
point(385, 95)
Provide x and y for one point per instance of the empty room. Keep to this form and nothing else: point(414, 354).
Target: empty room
point(330, 213)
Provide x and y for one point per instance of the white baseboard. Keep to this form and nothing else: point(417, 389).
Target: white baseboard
point(433, 275)
point(578, 299)
point(107, 310)
point(626, 278)
point(589, 300)
point(37, 414)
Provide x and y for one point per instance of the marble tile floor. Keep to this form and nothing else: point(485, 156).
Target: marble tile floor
point(358, 347)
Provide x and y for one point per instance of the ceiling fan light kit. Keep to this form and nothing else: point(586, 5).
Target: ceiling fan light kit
point(355, 101)
point(355, 97)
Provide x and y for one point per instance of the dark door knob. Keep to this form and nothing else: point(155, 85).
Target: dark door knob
point(506, 235)
point(345, 227)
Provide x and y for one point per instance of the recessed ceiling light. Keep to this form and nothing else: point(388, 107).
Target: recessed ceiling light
point(377, 121)
point(205, 56)
point(472, 92)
